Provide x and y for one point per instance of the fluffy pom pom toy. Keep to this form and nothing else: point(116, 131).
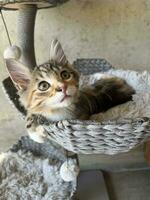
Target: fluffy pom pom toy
point(12, 52)
point(69, 170)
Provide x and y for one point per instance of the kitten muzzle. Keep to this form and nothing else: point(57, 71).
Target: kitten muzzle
point(65, 97)
point(63, 89)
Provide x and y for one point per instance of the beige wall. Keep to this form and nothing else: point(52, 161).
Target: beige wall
point(114, 29)
point(118, 30)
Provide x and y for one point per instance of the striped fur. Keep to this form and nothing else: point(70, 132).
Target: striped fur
point(49, 102)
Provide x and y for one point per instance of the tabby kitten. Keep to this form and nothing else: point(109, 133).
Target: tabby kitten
point(52, 90)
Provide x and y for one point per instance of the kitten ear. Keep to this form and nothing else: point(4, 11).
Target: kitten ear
point(57, 54)
point(19, 73)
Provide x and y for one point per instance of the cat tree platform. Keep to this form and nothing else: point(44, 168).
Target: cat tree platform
point(16, 4)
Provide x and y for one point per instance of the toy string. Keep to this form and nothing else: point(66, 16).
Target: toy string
point(6, 29)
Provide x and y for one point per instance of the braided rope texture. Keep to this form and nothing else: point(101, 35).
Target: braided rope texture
point(88, 137)
point(91, 66)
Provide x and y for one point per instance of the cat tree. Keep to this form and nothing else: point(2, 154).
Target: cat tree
point(70, 139)
point(100, 142)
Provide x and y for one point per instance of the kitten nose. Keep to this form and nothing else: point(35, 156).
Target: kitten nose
point(61, 88)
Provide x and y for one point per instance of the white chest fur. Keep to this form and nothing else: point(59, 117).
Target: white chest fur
point(62, 114)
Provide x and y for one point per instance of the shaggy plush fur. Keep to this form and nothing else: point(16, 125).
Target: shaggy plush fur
point(139, 107)
point(26, 177)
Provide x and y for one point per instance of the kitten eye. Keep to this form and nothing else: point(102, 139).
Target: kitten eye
point(43, 86)
point(65, 75)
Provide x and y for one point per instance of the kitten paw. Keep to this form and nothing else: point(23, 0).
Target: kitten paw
point(36, 132)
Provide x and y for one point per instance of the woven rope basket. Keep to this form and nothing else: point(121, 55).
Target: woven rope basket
point(91, 137)
point(88, 137)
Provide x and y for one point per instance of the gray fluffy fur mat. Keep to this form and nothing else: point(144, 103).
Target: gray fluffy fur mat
point(24, 176)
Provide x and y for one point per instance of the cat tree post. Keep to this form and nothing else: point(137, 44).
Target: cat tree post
point(26, 23)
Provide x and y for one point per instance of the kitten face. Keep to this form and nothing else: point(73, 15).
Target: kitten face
point(51, 86)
